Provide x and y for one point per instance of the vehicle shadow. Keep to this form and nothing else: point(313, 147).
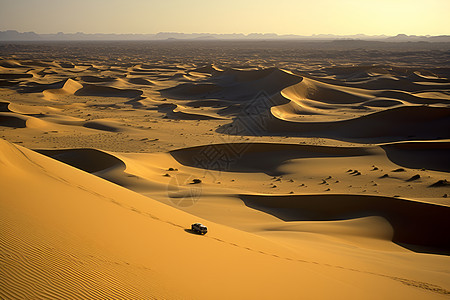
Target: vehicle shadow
point(192, 231)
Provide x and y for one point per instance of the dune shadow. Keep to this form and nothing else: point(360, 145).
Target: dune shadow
point(106, 91)
point(253, 157)
point(424, 249)
point(404, 123)
point(416, 224)
point(4, 107)
point(88, 160)
point(11, 120)
point(35, 87)
point(420, 155)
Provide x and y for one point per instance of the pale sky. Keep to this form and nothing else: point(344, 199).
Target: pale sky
point(302, 17)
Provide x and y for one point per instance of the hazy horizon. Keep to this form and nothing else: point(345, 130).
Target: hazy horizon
point(221, 33)
point(306, 18)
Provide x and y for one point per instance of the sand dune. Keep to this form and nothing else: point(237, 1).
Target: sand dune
point(93, 90)
point(36, 87)
point(106, 125)
point(140, 81)
point(326, 93)
point(26, 109)
point(372, 78)
point(11, 120)
point(250, 157)
point(413, 222)
point(317, 178)
point(235, 85)
point(11, 64)
point(189, 90)
point(400, 123)
point(72, 87)
point(20, 121)
point(181, 112)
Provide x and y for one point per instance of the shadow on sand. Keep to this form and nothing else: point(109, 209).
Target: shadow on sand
point(192, 232)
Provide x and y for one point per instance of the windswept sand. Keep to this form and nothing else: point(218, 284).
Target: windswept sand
point(317, 181)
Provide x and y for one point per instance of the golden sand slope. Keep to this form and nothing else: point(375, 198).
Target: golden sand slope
point(89, 238)
point(327, 183)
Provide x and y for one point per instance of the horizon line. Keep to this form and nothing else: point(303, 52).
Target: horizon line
point(230, 33)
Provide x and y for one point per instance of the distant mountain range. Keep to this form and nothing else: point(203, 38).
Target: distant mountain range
point(13, 35)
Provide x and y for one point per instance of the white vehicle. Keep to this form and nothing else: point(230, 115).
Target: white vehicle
point(199, 228)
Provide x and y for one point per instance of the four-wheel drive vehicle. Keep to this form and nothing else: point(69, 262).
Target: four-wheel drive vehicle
point(199, 228)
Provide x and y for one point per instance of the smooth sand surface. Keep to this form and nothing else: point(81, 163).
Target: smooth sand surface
point(315, 181)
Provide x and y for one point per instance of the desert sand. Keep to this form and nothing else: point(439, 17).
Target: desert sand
point(321, 171)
